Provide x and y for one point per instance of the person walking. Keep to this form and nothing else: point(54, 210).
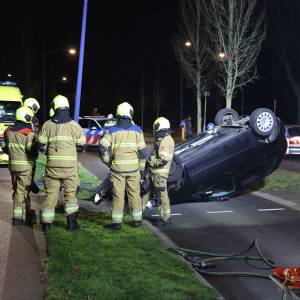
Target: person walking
point(188, 128)
point(123, 149)
point(159, 165)
point(20, 145)
point(58, 139)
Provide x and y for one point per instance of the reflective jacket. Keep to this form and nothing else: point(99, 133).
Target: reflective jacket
point(20, 145)
point(59, 141)
point(161, 158)
point(123, 149)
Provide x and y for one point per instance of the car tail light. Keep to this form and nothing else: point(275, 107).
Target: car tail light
point(294, 141)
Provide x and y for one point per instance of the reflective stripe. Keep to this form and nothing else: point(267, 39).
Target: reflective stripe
point(137, 215)
point(42, 139)
point(58, 157)
point(48, 215)
point(13, 145)
point(61, 138)
point(71, 208)
point(18, 213)
point(20, 162)
point(117, 216)
point(125, 162)
point(159, 171)
point(124, 145)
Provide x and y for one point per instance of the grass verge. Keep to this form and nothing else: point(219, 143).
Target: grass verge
point(88, 182)
point(94, 263)
point(281, 180)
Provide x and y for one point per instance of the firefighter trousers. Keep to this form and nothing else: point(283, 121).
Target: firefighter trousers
point(159, 184)
point(129, 182)
point(55, 178)
point(21, 182)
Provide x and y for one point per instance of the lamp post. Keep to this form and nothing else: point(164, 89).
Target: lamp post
point(71, 51)
point(187, 44)
point(80, 64)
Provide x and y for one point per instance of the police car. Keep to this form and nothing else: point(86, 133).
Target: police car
point(93, 129)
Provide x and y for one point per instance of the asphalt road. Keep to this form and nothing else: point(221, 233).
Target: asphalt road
point(231, 226)
point(291, 163)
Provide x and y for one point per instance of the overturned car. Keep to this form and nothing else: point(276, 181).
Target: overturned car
point(218, 163)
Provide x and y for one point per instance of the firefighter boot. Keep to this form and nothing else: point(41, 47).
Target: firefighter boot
point(46, 228)
point(136, 224)
point(30, 217)
point(17, 222)
point(72, 223)
point(113, 226)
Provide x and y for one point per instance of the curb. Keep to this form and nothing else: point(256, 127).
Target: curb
point(170, 244)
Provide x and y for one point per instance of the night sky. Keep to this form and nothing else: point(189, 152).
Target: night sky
point(125, 42)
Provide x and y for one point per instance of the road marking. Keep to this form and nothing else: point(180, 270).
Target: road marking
point(278, 200)
point(270, 209)
point(171, 215)
point(219, 211)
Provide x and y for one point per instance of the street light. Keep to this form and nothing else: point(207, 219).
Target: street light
point(9, 75)
point(187, 44)
point(64, 78)
point(71, 51)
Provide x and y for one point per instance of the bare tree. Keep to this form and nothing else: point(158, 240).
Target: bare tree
point(158, 93)
point(190, 47)
point(236, 30)
point(287, 41)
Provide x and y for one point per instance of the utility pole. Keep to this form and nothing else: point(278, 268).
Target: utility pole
point(44, 83)
point(80, 64)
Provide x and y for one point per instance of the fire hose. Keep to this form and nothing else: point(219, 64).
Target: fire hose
point(287, 279)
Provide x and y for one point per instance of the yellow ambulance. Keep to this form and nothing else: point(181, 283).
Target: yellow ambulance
point(10, 101)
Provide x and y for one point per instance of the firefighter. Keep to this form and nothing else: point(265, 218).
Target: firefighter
point(159, 165)
point(20, 145)
point(34, 105)
point(123, 149)
point(58, 140)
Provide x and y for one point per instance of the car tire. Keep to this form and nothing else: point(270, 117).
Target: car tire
point(226, 116)
point(262, 121)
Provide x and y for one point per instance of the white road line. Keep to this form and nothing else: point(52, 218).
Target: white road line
point(219, 211)
point(270, 209)
point(171, 215)
point(278, 200)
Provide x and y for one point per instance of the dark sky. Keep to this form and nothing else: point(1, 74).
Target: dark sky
point(126, 40)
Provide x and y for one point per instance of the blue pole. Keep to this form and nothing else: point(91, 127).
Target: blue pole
point(80, 64)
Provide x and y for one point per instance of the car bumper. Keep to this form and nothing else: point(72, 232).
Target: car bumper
point(295, 150)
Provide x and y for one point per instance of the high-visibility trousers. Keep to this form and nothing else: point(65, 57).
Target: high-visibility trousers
point(55, 178)
point(159, 183)
point(129, 182)
point(21, 182)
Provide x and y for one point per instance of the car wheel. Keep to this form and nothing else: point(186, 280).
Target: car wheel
point(226, 116)
point(262, 121)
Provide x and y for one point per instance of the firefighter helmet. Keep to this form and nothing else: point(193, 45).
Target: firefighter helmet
point(60, 102)
point(33, 104)
point(124, 110)
point(24, 114)
point(161, 123)
point(51, 112)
